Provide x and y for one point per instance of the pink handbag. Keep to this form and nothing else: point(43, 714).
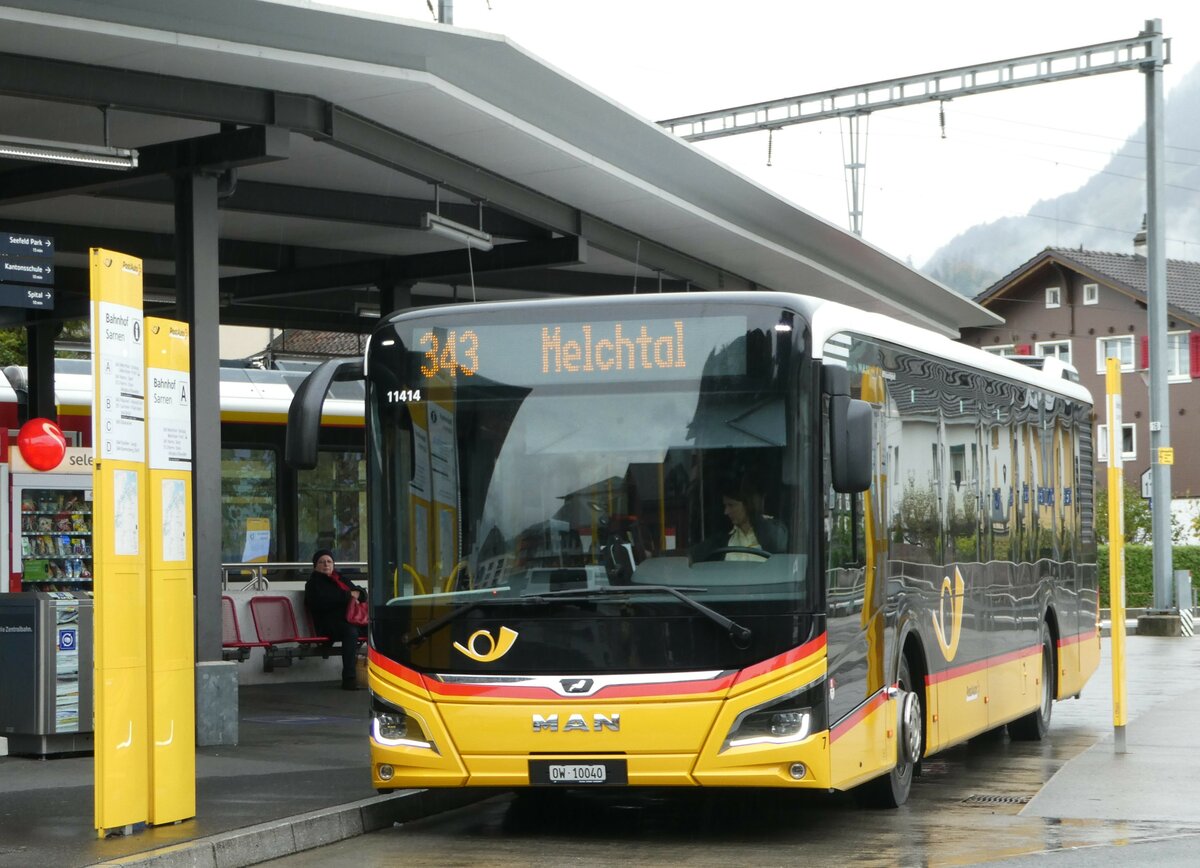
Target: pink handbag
point(356, 612)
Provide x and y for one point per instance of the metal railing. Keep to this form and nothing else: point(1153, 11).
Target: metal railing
point(257, 576)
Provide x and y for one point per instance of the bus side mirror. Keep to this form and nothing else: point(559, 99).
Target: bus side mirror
point(304, 414)
point(849, 433)
point(850, 444)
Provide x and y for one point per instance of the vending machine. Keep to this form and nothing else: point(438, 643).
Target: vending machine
point(51, 519)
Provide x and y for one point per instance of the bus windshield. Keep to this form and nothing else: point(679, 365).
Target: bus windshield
point(607, 465)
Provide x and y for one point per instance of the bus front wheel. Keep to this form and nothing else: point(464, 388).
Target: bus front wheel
point(891, 790)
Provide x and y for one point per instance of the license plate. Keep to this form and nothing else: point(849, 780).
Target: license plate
point(577, 773)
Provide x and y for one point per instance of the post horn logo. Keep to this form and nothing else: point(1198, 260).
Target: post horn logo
point(950, 647)
point(496, 648)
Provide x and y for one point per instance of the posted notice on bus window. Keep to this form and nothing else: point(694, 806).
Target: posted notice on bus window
point(121, 428)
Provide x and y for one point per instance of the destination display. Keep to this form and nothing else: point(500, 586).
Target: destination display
point(594, 351)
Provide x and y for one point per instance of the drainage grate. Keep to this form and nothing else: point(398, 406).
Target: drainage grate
point(992, 799)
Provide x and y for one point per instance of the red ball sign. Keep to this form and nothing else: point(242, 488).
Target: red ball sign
point(42, 444)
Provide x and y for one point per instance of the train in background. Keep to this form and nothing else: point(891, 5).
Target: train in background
point(267, 509)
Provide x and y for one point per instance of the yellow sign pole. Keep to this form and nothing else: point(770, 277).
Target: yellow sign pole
point(1116, 551)
point(119, 567)
point(172, 698)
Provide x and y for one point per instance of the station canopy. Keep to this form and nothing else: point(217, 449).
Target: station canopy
point(334, 134)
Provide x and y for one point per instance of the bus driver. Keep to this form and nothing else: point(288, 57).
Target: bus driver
point(742, 502)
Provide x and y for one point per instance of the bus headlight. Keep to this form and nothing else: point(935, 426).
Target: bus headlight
point(784, 720)
point(392, 726)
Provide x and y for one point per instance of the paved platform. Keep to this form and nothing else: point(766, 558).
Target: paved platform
point(298, 778)
point(1154, 780)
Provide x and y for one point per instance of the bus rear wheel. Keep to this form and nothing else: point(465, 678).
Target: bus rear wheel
point(891, 790)
point(1035, 725)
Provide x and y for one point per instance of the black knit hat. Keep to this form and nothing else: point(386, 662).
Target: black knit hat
point(319, 553)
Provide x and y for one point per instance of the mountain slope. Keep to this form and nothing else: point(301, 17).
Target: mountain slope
point(976, 258)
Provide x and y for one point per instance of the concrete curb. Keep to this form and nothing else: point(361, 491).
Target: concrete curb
point(272, 840)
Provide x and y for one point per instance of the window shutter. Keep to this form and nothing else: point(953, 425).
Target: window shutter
point(1194, 354)
point(1144, 360)
point(1024, 349)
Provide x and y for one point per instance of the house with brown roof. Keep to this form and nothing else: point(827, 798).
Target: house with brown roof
point(1083, 306)
point(309, 345)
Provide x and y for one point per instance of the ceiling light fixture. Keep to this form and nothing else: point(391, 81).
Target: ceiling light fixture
point(97, 156)
point(439, 225)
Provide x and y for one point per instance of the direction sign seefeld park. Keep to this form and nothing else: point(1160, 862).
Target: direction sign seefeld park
point(26, 271)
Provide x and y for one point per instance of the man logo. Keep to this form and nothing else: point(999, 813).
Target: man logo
point(577, 723)
point(576, 685)
point(950, 646)
point(496, 649)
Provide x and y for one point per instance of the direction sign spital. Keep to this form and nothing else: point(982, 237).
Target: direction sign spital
point(38, 297)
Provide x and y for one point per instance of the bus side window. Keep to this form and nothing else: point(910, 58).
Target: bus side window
point(844, 516)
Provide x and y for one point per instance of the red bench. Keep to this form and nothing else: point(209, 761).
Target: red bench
point(233, 646)
point(275, 623)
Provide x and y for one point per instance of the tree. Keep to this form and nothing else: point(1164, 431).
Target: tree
point(1137, 516)
point(12, 347)
point(78, 331)
point(920, 516)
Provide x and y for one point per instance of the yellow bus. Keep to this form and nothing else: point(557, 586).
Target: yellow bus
point(710, 540)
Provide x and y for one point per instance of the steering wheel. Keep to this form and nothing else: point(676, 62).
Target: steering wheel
point(724, 550)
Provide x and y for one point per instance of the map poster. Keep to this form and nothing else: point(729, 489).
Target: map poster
point(174, 520)
point(125, 513)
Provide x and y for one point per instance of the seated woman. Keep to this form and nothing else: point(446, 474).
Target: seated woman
point(326, 594)
point(743, 506)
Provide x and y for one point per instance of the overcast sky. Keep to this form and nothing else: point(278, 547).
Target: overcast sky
point(1001, 153)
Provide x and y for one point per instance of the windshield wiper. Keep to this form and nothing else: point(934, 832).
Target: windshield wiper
point(740, 635)
point(419, 635)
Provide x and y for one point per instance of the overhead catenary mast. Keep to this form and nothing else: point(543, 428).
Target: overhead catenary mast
point(857, 102)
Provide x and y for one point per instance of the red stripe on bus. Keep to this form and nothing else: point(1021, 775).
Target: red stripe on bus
point(976, 666)
point(780, 660)
point(856, 717)
point(1078, 637)
point(614, 691)
point(388, 665)
point(1019, 654)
